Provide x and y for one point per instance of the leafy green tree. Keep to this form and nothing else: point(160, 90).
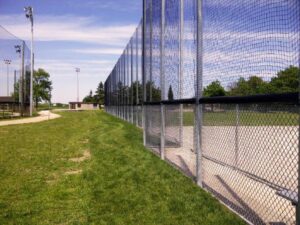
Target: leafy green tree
point(254, 85)
point(170, 94)
point(155, 95)
point(286, 81)
point(214, 89)
point(137, 92)
point(42, 86)
point(100, 94)
point(89, 98)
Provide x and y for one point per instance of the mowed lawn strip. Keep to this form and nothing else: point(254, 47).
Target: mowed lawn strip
point(91, 168)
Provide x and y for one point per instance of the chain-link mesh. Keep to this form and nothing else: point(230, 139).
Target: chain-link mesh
point(240, 140)
point(250, 158)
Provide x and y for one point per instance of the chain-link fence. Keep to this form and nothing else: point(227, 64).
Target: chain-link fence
point(215, 86)
point(15, 75)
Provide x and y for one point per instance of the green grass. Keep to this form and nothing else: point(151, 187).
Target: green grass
point(42, 107)
point(7, 118)
point(121, 184)
point(245, 119)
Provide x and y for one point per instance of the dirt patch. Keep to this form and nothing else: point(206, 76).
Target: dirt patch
point(73, 172)
point(52, 179)
point(85, 141)
point(86, 156)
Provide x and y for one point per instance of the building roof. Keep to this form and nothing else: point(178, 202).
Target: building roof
point(5, 99)
point(85, 103)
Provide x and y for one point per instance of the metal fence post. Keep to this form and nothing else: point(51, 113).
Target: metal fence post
point(298, 205)
point(237, 124)
point(199, 110)
point(162, 81)
point(151, 38)
point(162, 134)
point(131, 85)
point(181, 27)
point(21, 88)
point(143, 72)
point(137, 76)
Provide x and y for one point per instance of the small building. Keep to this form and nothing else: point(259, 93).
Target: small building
point(8, 107)
point(83, 106)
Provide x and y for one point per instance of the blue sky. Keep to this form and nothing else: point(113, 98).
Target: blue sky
point(89, 34)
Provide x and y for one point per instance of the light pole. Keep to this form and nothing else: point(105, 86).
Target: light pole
point(29, 14)
point(77, 71)
point(7, 62)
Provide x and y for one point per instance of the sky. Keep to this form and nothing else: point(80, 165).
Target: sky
point(89, 34)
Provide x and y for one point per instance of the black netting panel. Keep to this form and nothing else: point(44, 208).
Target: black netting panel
point(247, 45)
point(172, 56)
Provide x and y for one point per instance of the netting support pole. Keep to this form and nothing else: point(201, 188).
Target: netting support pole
point(137, 77)
point(151, 52)
point(131, 85)
point(198, 110)
point(162, 80)
point(21, 88)
point(123, 91)
point(119, 91)
point(127, 83)
point(298, 205)
point(143, 73)
point(124, 82)
point(181, 28)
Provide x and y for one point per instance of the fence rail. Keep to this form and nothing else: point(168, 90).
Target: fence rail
point(215, 86)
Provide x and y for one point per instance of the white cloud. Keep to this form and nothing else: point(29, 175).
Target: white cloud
point(100, 51)
point(68, 28)
point(89, 68)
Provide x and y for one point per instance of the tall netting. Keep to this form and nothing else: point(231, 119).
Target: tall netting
point(250, 150)
point(123, 88)
point(215, 86)
point(15, 75)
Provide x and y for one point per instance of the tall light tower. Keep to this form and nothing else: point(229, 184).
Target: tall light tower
point(77, 72)
point(29, 14)
point(7, 62)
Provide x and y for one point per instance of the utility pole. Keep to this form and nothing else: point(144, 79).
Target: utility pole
point(7, 62)
point(29, 14)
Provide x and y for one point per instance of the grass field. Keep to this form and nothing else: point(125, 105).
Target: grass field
point(245, 119)
point(91, 168)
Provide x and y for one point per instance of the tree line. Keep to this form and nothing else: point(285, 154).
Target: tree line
point(285, 81)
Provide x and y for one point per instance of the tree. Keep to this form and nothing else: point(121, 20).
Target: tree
point(155, 95)
point(137, 92)
point(214, 89)
point(89, 98)
point(170, 94)
point(254, 85)
point(42, 86)
point(100, 94)
point(286, 81)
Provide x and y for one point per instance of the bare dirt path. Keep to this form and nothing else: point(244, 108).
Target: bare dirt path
point(43, 116)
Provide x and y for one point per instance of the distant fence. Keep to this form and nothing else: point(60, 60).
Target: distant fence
point(215, 86)
point(14, 74)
